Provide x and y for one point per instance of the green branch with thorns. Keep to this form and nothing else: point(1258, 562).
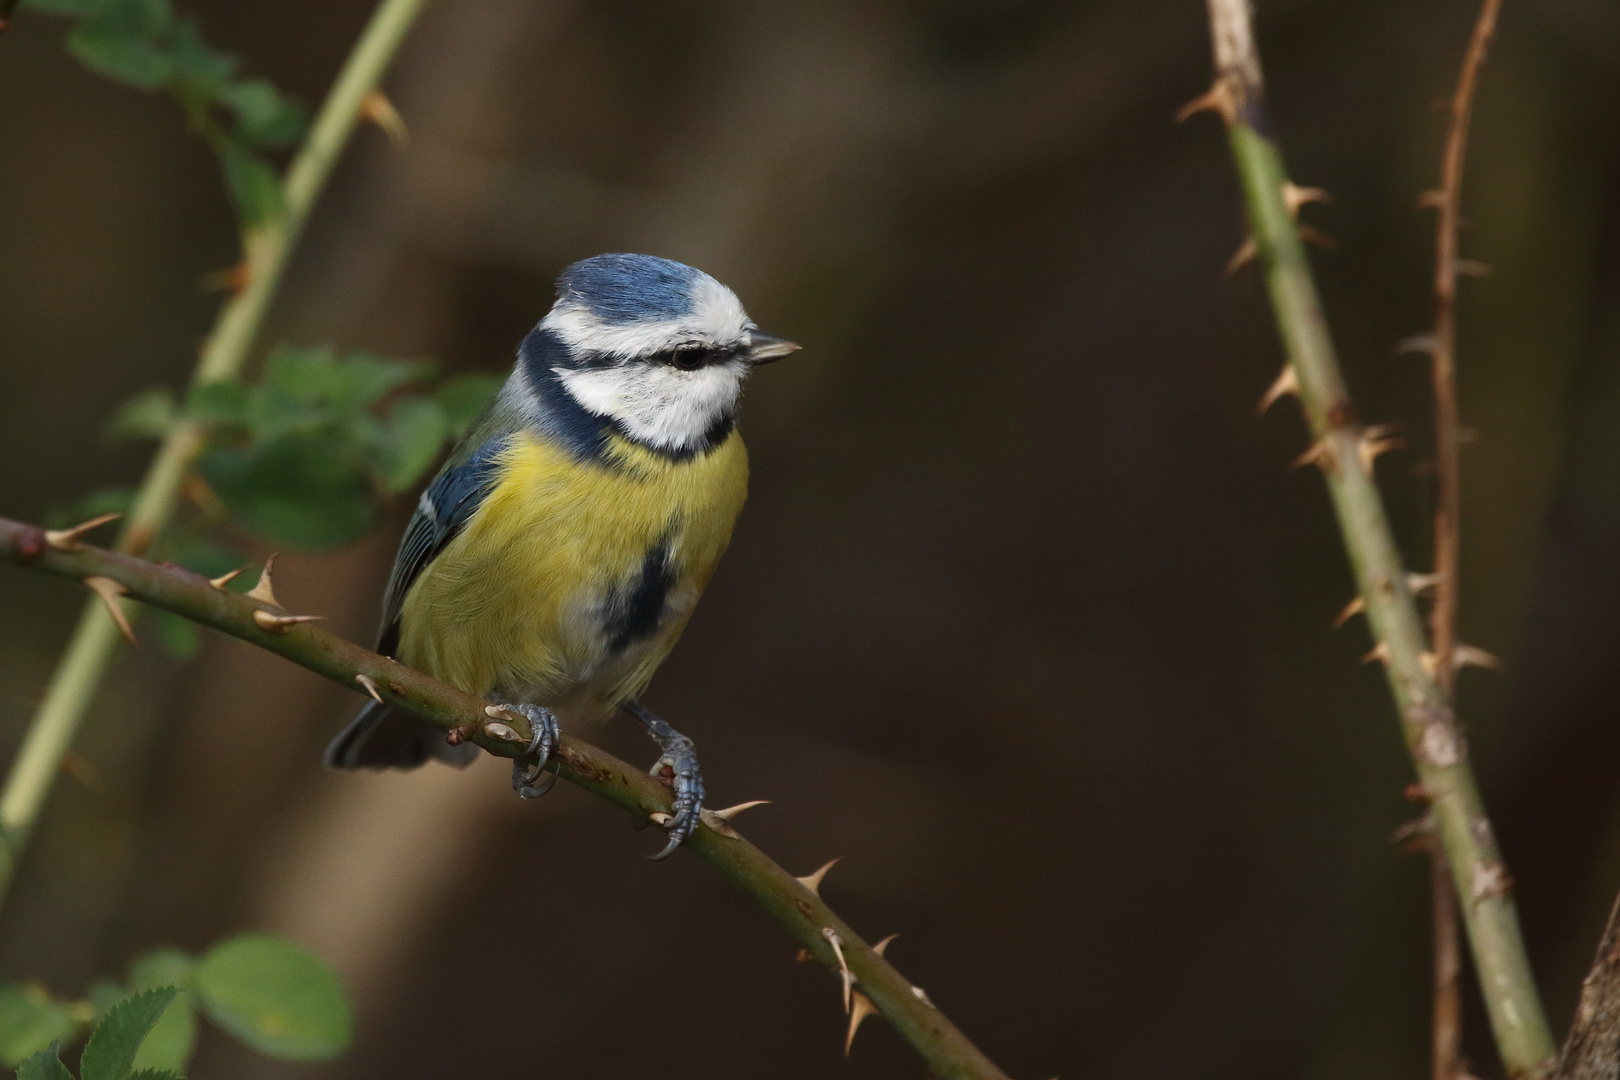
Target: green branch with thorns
point(868, 983)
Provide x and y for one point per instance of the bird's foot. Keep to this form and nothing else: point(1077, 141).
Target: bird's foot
point(526, 777)
point(678, 767)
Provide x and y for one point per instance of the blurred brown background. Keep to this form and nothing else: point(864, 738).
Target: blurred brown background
point(1026, 617)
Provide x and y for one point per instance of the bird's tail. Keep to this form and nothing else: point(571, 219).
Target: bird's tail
point(382, 737)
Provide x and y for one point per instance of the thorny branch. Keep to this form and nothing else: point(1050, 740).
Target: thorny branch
point(1447, 200)
point(265, 253)
point(1345, 450)
point(1447, 267)
point(868, 982)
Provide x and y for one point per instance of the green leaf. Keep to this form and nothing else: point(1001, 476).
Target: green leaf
point(464, 397)
point(276, 997)
point(303, 374)
point(45, 1065)
point(299, 491)
point(223, 403)
point(416, 432)
point(174, 1037)
point(254, 185)
point(110, 1053)
point(362, 379)
point(206, 69)
point(161, 967)
point(264, 117)
point(155, 1074)
point(30, 1021)
point(148, 415)
point(121, 57)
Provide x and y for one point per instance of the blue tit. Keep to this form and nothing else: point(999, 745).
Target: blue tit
point(554, 560)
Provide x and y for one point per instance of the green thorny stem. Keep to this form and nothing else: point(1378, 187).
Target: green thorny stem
point(265, 251)
point(1344, 450)
point(869, 980)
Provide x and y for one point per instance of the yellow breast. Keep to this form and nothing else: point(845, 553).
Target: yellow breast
point(537, 598)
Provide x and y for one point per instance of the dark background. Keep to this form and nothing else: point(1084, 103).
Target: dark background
point(1027, 617)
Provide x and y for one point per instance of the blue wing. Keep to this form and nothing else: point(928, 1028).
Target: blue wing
point(442, 512)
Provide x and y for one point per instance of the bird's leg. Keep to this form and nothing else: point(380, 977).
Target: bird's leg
point(543, 722)
point(681, 759)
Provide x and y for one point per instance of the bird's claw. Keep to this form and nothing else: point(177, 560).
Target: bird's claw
point(525, 777)
point(681, 760)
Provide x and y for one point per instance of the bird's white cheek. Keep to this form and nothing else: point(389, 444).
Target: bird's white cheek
point(657, 404)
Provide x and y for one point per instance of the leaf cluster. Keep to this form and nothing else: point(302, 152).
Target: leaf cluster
point(272, 995)
point(144, 44)
point(303, 458)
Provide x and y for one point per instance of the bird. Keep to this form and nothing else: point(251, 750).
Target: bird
point(554, 560)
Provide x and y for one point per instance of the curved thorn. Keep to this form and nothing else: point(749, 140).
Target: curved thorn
point(884, 944)
point(1217, 99)
point(1285, 384)
point(861, 1008)
point(1355, 607)
point(376, 108)
point(1379, 652)
point(68, 539)
point(109, 591)
point(364, 680)
point(1295, 196)
point(280, 624)
point(264, 590)
point(837, 944)
point(813, 881)
point(1242, 257)
point(225, 579)
point(1472, 656)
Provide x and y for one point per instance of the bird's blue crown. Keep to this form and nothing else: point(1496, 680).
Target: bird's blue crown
point(624, 288)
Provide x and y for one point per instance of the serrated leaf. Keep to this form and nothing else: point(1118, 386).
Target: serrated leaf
point(174, 1036)
point(255, 188)
point(297, 491)
point(30, 1021)
point(276, 997)
point(133, 61)
point(154, 1074)
point(110, 1053)
point(45, 1065)
point(464, 398)
point(264, 116)
point(148, 415)
point(416, 433)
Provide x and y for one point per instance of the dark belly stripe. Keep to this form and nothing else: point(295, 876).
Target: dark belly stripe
point(633, 613)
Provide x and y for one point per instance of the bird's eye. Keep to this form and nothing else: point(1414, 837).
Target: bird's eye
point(689, 358)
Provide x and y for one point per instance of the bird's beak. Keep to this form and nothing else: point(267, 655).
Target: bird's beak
point(765, 349)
